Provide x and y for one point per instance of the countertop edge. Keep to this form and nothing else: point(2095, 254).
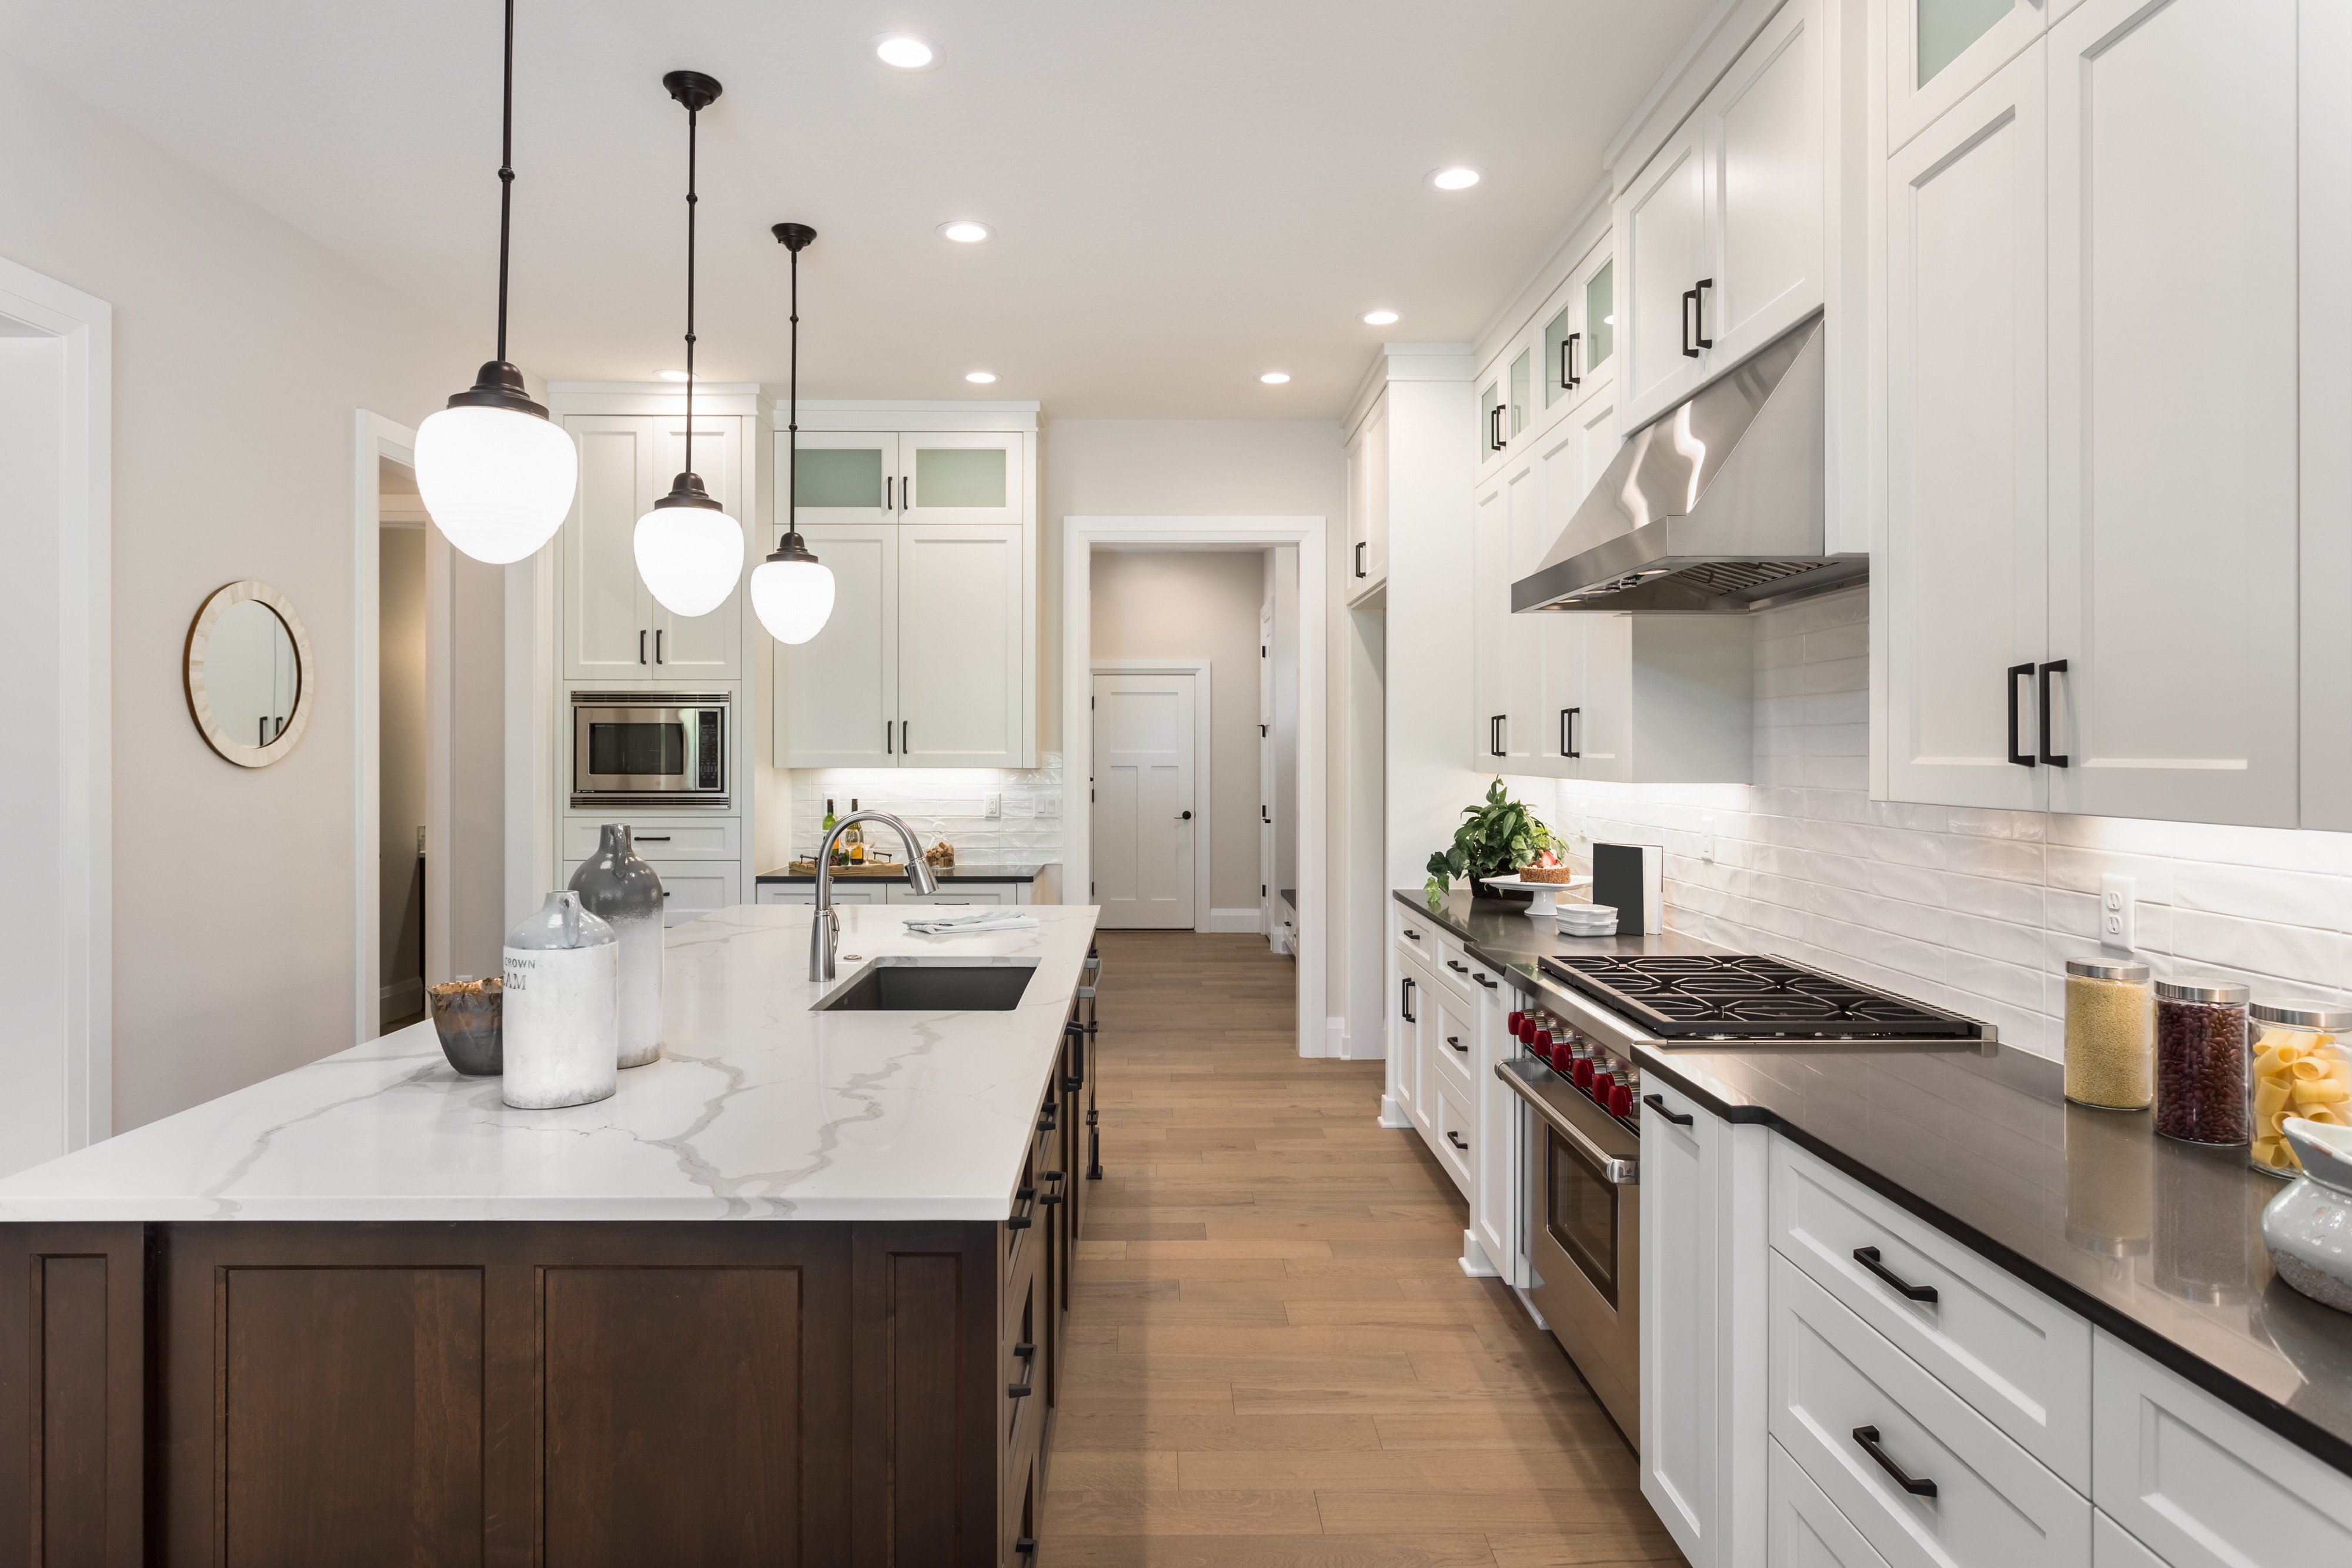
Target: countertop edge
point(2248, 1401)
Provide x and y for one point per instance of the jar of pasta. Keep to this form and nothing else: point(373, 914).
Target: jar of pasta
point(2298, 1066)
point(2110, 1034)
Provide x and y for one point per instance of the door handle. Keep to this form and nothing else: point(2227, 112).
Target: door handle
point(651, 838)
point(1698, 299)
point(1483, 980)
point(1568, 376)
point(1567, 731)
point(1495, 738)
point(1456, 1042)
point(1455, 1139)
point(1690, 298)
point(2025, 671)
point(641, 645)
point(1412, 935)
point(1184, 816)
point(905, 493)
point(888, 738)
point(1359, 558)
point(2055, 667)
point(905, 746)
point(657, 647)
point(1404, 1001)
point(1658, 1102)
point(1868, 1257)
point(1457, 968)
point(887, 505)
point(1917, 1486)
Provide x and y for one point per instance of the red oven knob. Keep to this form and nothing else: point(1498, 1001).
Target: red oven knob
point(1514, 1022)
point(1621, 1100)
point(1581, 1073)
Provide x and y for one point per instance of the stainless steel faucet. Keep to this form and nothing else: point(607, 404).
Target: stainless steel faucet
point(824, 931)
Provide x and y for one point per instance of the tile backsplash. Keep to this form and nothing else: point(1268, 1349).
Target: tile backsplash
point(993, 816)
point(1977, 910)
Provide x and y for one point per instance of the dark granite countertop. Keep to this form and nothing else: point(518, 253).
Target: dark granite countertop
point(2158, 1242)
point(958, 873)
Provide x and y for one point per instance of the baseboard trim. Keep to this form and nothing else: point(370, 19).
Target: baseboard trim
point(1234, 920)
point(1394, 1115)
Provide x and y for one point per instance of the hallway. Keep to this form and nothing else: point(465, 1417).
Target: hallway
point(1275, 1357)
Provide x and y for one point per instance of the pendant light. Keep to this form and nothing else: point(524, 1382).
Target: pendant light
point(689, 551)
point(792, 591)
point(495, 473)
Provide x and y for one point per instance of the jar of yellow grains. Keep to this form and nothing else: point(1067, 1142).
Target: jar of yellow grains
point(2296, 1067)
point(2110, 1034)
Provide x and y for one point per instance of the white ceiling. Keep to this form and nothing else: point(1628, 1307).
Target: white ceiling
point(1185, 192)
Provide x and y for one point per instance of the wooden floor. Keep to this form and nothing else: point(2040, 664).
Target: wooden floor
point(1276, 1358)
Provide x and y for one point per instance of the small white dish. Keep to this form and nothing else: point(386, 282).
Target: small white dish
point(1547, 894)
point(1587, 920)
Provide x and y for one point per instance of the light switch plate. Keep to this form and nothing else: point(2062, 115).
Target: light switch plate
point(2120, 912)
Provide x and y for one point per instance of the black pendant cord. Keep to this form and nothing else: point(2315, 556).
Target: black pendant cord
point(506, 181)
point(792, 443)
point(693, 117)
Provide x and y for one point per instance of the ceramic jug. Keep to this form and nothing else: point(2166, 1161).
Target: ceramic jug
point(562, 1023)
point(625, 892)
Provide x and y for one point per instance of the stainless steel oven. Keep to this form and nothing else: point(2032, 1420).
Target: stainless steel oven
point(650, 748)
point(1584, 1234)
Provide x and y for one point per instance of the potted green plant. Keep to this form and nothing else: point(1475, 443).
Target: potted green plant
point(1500, 836)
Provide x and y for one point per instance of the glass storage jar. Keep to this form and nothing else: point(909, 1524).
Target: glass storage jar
point(2200, 1061)
point(2296, 1066)
point(2110, 1034)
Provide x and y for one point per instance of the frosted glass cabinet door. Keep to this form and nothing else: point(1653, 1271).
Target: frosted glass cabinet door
point(2173, 479)
point(961, 477)
point(846, 476)
point(1661, 227)
point(1937, 51)
point(964, 616)
point(607, 614)
point(837, 694)
point(705, 647)
point(1967, 447)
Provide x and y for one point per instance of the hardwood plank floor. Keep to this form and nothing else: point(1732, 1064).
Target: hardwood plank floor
point(1276, 1361)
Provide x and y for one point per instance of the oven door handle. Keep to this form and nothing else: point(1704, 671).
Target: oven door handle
point(1614, 1171)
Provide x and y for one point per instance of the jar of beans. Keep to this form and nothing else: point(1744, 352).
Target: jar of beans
point(2297, 1067)
point(2200, 1061)
point(2110, 1034)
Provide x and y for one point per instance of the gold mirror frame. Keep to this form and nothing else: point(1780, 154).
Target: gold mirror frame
point(192, 668)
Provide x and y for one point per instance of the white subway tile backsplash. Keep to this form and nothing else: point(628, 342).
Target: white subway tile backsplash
point(954, 804)
point(1975, 909)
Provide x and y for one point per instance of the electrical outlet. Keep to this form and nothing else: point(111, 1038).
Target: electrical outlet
point(2120, 912)
point(995, 807)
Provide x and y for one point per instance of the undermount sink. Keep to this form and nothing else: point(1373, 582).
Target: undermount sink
point(914, 985)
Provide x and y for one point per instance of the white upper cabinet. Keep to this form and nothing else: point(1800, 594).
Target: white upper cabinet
point(1490, 549)
point(961, 476)
point(843, 476)
point(1661, 243)
point(1938, 51)
point(1965, 557)
point(837, 694)
point(2173, 450)
point(1367, 504)
point(2324, 221)
point(966, 637)
point(613, 630)
point(1579, 332)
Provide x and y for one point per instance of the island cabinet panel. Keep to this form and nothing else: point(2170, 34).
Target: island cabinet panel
point(72, 1417)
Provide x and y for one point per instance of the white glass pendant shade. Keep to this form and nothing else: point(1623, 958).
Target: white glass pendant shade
point(792, 599)
point(690, 557)
point(498, 482)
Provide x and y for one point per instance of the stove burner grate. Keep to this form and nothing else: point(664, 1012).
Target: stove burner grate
point(1750, 997)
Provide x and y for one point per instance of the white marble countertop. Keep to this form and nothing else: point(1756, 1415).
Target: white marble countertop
point(760, 1108)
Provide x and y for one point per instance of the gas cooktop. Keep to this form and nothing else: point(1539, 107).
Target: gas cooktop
point(1750, 997)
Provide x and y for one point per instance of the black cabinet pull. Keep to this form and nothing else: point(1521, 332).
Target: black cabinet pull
point(1567, 717)
point(1568, 376)
point(1359, 558)
point(1017, 1391)
point(1025, 1350)
point(1495, 428)
point(2016, 672)
point(641, 646)
point(2055, 667)
point(1690, 298)
point(1494, 734)
point(1455, 1139)
point(1412, 935)
point(1483, 980)
point(657, 647)
point(905, 746)
point(1868, 1257)
point(651, 838)
point(888, 738)
point(1404, 1001)
point(1024, 1547)
point(1456, 1042)
point(887, 505)
point(1698, 298)
point(1051, 1198)
point(1018, 1222)
point(1051, 1175)
point(1457, 968)
point(1025, 1193)
point(1658, 1102)
point(1045, 1123)
point(1917, 1486)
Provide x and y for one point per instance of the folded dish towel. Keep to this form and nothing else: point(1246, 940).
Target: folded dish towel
point(994, 920)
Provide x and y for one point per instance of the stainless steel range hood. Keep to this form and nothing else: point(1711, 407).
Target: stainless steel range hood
point(1714, 507)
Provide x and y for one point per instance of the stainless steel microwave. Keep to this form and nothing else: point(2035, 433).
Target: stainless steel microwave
point(649, 749)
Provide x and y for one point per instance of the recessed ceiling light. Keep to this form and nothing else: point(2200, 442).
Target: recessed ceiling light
point(1608, 320)
point(905, 52)
point(1275, 378)
point(1379, 317)
point(1455, 177)
point(981, 377)
point(674, 376)
point(963, 231)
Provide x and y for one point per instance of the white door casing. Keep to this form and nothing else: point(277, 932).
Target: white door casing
point(1147, 823)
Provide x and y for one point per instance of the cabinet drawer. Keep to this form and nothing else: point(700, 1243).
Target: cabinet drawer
point(1453, 1044)
point(1837, 1385)
point(2200, 1484)
point(1453, 968)
point(955, 892)
point(1805, 1527)
point(692, 889)
point(1415, 937)
point(1453, 1126)
point(2020, 1359)
point(2113, 1546)
point(702, 838)
point(806, 893)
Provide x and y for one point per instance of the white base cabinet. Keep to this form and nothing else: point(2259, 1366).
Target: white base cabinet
point(849, 891)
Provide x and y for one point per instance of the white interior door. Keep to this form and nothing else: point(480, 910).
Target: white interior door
point(1269, 895)
point(1144, 817)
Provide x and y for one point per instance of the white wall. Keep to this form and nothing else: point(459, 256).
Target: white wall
point(1200, 605)
point(240, 350)
point(1976, 910)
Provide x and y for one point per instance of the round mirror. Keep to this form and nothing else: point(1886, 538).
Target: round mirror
point(248, 673)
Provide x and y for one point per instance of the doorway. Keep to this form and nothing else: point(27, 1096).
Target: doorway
point(401, 809)
point(1151, 822)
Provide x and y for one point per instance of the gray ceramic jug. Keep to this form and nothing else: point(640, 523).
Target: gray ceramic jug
point(625, 892)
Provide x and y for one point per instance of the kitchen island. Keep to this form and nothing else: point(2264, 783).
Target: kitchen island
point(364, 1311)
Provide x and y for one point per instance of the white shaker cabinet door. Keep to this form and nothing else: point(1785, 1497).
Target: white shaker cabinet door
point(1661, 227)
point(1490, 550)
point(963, 632)
point(1762, 124)
point(1681, 1151)
point(1530, 642)
point(1966, 557)
point(837, 694)
point(2173, 487)
point(702, 648)
point(607, 614)
point(1571, 455)
point(2325, 223)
